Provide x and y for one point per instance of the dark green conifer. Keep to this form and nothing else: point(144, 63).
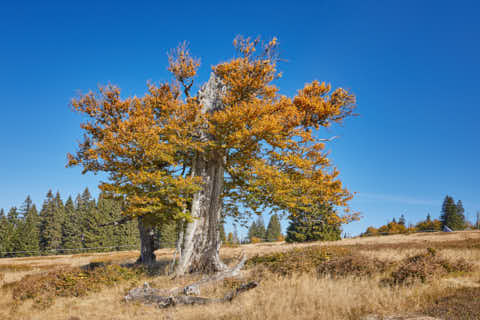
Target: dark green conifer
point(29, 230)
point(252, 231)
point(51, 224)
point(71, 228)
point(274, 229)
point(312, 227)
point(107, 212)
point(92, 219)
point(167, 235)
point(450, 216)
point(257, 229)
point(6, 235)
point(461, 215)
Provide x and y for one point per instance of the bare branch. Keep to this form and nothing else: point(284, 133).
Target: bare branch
point(329, 139)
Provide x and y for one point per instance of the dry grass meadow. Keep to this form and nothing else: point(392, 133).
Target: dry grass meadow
point(435, 274)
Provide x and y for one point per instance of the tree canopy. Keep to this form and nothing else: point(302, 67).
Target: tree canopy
point(267, 140)
point(237, 146)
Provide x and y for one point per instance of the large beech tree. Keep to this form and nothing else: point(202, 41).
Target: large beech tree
point(236, 146)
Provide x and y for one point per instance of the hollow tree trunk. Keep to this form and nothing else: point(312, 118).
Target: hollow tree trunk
point(201, 241)
point(147, 243)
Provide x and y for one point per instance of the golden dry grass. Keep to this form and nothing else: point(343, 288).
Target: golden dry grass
point(301, 296)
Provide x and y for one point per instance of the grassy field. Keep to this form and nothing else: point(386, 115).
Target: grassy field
point(435, 274)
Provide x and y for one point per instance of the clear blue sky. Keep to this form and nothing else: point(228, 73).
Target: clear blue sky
point(414, 66)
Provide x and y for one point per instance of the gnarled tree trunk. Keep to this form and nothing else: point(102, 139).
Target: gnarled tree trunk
point(201, 241)
point(147, 242)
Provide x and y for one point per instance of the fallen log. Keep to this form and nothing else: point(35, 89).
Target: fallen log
point(149, 295)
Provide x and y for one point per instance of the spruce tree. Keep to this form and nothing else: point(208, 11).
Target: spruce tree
point(449, 215)
point(106, 211)
point(313, 226)
point(274, 229)
point(130, 235)
point(257, 230)
point(92, 219)
point(126, 235)
point(29, 231)
point(72, 228)
point(167, 235)
point(260, 229)
point(6, 235)
point(461, 215)
point(13, 216)
point(402, 220)
point(120, 236)
point(15, 225)
point(252, 231)
point(50, 224)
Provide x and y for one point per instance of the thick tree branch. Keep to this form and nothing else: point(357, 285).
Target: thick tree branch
point(329, 139)
point(118, 222)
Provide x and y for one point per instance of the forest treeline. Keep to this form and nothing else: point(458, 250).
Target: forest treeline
point(78, 225)
point(451, 216)
point(65, 227)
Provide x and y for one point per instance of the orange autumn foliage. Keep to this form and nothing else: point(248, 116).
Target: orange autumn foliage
point(272, 156)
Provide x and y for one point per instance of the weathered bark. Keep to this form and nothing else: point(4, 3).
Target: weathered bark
point(147, 243)
point(201, 242)
point(149, 295)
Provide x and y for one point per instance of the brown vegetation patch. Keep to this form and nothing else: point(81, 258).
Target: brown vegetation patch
point(456, 304)
point(424, 267)
point(471, 243)
point(352, 265)
point(115, 258)
point(298, 260)
point(16, 267)
point(68, 282)
point(38, 258)
point(28, 267)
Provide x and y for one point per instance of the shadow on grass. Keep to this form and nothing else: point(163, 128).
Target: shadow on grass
point(456, 304)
